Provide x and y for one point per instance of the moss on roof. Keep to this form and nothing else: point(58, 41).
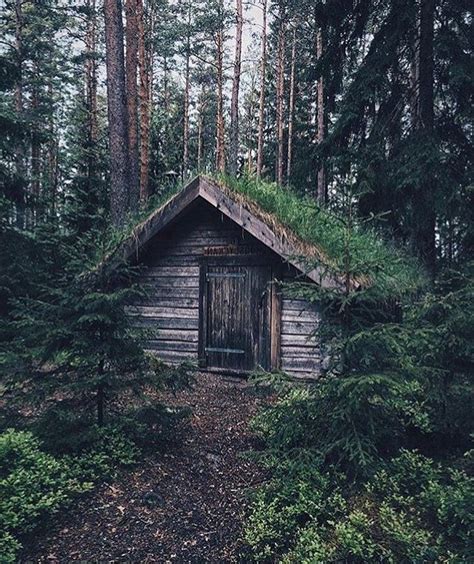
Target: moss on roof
point(388, 270)
point(323, 237)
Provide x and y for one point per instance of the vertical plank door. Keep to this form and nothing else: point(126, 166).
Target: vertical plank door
point(236, 316)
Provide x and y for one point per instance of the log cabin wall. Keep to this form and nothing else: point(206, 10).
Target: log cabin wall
point(171, 265)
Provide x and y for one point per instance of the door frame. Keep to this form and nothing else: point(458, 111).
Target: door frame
point(273, 304)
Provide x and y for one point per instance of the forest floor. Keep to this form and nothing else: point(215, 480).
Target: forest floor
point(183, 505)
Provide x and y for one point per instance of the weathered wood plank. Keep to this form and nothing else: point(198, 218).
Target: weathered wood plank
point(175, 335)
point(153, 311)
point(176, 346)
point(289, 351)
point(172, 260)
point(301, 363)
point(164, 322)
point(175, 271)
point(298, 339)
point(170, 301)
point(298, 327)
point(158, 292)
point(172, 356)
point(303, 317)
point(171, 281)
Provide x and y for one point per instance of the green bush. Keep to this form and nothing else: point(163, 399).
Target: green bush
point(412, 510)
point(33, 484)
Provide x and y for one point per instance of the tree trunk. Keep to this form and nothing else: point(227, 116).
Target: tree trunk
point(144, 98)
point(20, 168)
point(291, 107)
point(280, 97)
point(321, 177)
point(186, 97)
point(131, 67)
point(220, 132)
point(91, 90)
point(426, 221)
point(261, 105)
point(234, 106)
point(35, 158)
point(200, 143)
point(117, 112)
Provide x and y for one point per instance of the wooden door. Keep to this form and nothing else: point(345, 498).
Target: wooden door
point(235, 316)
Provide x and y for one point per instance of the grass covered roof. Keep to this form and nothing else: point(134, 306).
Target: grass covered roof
point(325, 239)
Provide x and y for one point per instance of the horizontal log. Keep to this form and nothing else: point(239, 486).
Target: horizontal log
point(303, 317)
point(176, 346)
point(196, 241)
point(300, 363)
point(174, 335)
point(170, 282)
point(171, 358)
point(299, 339)
point(170, 301)
point(298, 327)
point(300, 351)
point(165, 322)
point(299, 305)
point(170, 292)
point(171, 260)
point(176, 271)
point(152, 311)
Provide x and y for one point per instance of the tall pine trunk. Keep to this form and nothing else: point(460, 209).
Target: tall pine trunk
point(291, 107)
point(117, 112)
point(426, 220)
point(187, 86)
point(131, 67)
point(91, 90)
point(20, 168)
point(200, 141)
point(144, 98)
point(220, 131)
point(261, 105)
point(280, 94)
point(321, 176)
point(234, 106)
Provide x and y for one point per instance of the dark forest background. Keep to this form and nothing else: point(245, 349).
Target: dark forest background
point(362, 107)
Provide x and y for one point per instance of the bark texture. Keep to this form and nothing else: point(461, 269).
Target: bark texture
point(131, 67)
point(220, 131)
point(144, 98)
point(117, 111)
point(321, 176)
point(291, 106)
point(187, 87)
point(261, 105)
point(425, 237)
point(280, 94)
point(20, 168)
point(234, 106)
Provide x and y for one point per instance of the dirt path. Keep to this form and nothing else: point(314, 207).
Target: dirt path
point(182, 506)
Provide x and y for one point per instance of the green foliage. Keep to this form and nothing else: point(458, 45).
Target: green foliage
point(389, 388)
point(411, 510)
point(388, 271)
point(33, 485)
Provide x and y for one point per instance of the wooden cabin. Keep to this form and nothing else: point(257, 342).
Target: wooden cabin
point(211, 261)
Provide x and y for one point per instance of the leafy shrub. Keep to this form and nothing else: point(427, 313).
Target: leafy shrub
point(33, 484)
point(412, 510)
point(351, 421)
